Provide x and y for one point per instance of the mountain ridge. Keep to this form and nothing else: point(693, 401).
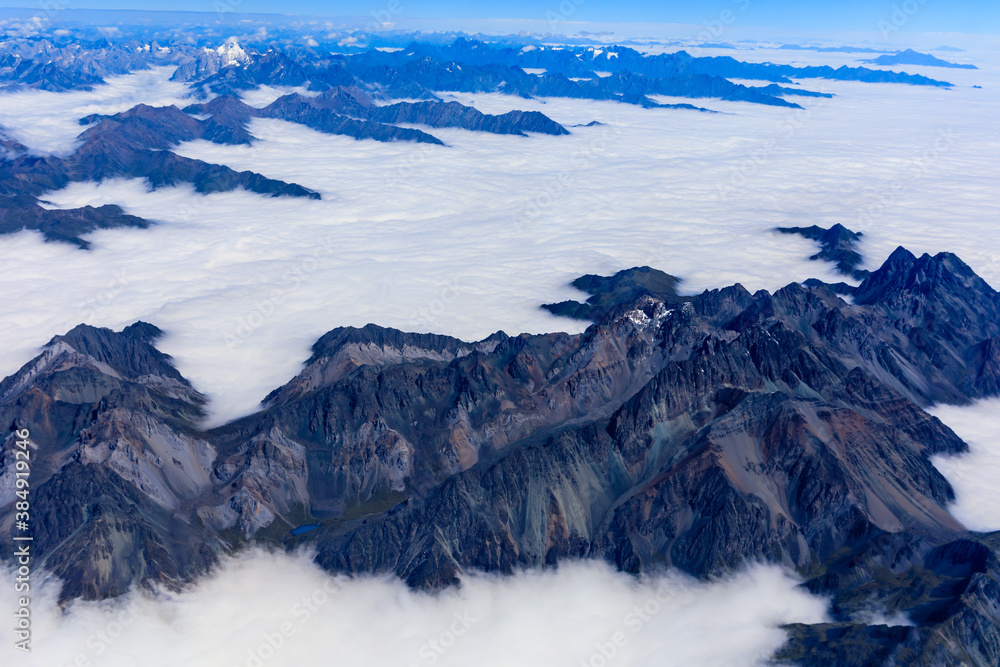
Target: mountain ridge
point(696, 432)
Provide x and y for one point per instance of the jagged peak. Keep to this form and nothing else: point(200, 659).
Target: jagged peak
point(900, 256)
point(126, 355)
point(142, 110)
point(340, 351)
point(837, 245)
point(348, 94)
point(610, 293)
point(129, 352)
point(144, 331)
point(224, 105)
point(838, 231)
point(905, 272)
point(232, 53)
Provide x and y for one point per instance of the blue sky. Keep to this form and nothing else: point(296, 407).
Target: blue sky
point(970, 16)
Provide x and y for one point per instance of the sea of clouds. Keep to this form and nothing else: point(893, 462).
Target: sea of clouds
point(472, 237)
point(467, 239)
point(277, 610)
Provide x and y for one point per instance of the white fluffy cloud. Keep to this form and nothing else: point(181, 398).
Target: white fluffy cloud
point(974, 475)
point(276, 610)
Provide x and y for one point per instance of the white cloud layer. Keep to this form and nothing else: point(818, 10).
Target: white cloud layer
point(276, 610)
point(974, 475)
point(470, 238)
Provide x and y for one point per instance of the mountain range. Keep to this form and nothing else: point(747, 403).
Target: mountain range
point(617, 73)
point(352, 94)
point(695, 432)
point(423, 69)
point(138, 143)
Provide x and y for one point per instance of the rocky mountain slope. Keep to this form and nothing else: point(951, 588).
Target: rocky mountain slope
point(59, 65)
point(117, 461)
point(693, 432)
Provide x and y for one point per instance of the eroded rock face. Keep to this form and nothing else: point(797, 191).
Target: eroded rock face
point(692, 432)
point(117, 462)
point(948, 592)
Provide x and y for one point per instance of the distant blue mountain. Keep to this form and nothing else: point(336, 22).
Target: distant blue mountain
point(715, 45)
point(139, 143)
point(351, 112)
point(775, 89)
point(911, 57)
point(578, 62)
point(357, 95)
point(831, 49)
point(421, 70)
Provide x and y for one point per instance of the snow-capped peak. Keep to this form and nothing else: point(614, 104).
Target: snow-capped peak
point(232, 53)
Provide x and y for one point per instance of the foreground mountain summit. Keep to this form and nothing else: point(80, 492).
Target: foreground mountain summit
point(694, 432)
